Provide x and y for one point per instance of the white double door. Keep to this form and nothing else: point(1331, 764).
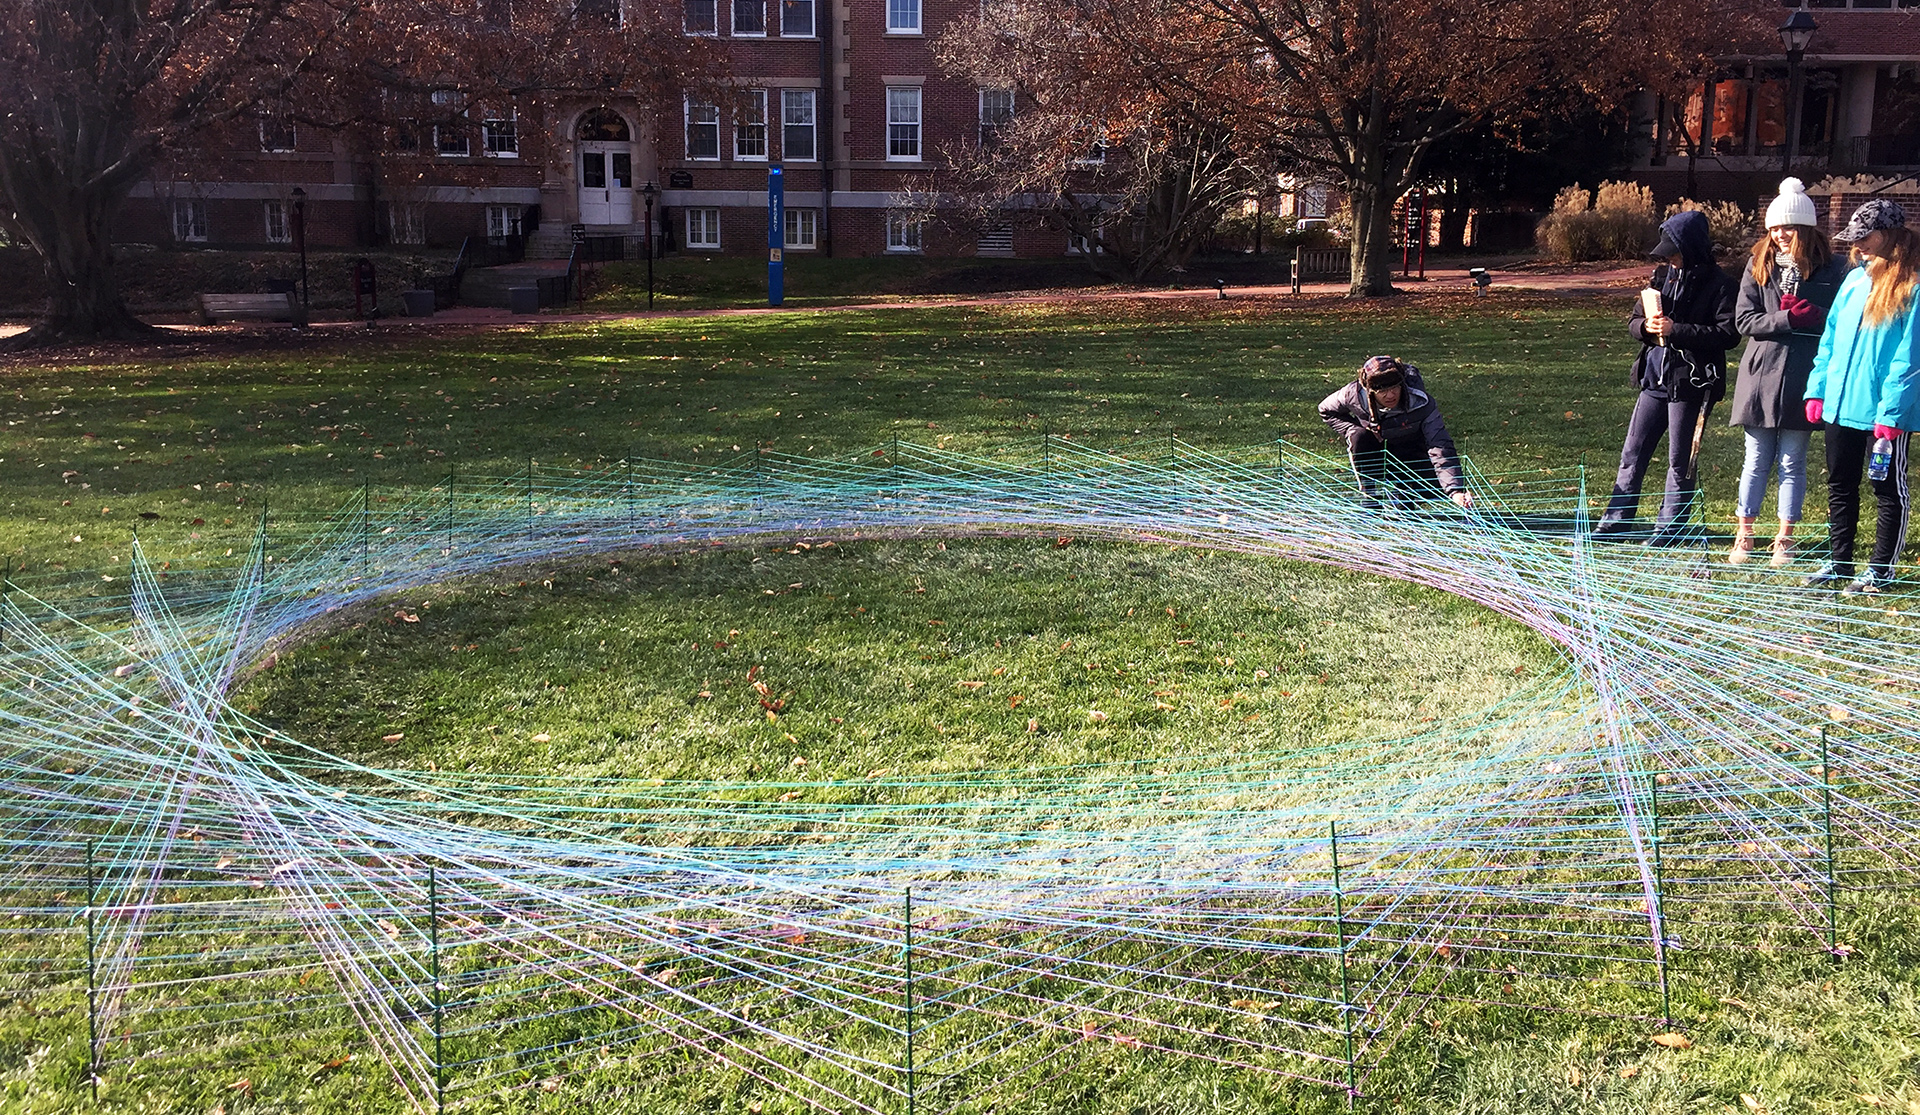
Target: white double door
point(606, 183)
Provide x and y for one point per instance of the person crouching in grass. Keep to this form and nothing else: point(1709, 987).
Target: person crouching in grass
point(1386, 414)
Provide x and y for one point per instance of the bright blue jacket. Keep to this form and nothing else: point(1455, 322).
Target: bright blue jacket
point(1866, 375)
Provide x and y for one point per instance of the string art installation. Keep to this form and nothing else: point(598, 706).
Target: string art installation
point(1723, 758)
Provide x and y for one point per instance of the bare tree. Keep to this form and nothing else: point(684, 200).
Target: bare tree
point(1358, 90)
point(1096, 127)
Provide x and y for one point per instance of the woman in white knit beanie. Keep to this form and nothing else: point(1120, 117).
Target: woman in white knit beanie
point(1785, 292)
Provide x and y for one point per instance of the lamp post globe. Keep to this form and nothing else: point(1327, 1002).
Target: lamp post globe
point(1795, 35)
point(648, 192)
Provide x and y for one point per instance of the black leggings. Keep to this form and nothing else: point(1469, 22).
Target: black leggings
point(1847, 452)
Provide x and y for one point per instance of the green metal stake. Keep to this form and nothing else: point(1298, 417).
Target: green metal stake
point(93, 986)
point(1659, 902)
point(1826, 801)
point(1340, 935)
point(1046, 447)
point(909, 952)
point(893, 457)
point(529, 499)
point(627, 489)
point(433, 939)
point(1173, 450)
point(449, 510)
point(366, 527)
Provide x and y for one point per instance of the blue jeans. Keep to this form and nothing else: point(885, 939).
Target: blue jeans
point(1766, 447)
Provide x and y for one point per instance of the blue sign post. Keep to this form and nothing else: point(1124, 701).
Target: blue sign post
point(776, 236)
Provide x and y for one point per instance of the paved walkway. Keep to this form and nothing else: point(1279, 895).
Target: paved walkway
point(1617, 280)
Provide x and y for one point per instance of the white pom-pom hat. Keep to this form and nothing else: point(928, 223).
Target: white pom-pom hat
point(1793, 206)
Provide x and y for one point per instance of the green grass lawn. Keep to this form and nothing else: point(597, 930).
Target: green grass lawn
point(639, 667)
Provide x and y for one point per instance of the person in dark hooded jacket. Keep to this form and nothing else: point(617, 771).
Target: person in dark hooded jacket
point(1681, 372)
point(1386, 412)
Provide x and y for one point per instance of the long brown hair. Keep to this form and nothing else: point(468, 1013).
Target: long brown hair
point(1892, 275)
point(1811, 251)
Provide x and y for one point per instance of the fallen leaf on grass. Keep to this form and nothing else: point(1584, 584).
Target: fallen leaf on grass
point(394, 738)
point(243, 1085)
point(391, 930)
point(338, 1062)
point(790, 795)
point(1033, 726)
point(543, 737)
point(1013, 702)
point(1096, 716)
point(970, 684)
point(1672, 1041)
point(1628, 1072)
point(1752, 1103)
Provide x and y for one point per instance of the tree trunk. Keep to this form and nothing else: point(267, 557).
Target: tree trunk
point(1453, 219)
point(1370, 265)
point(71, 229)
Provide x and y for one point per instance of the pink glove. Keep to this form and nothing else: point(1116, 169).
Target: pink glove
point(1887, 432)
point(1814, 409)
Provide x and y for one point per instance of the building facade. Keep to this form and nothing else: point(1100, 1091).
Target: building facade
point(843, 95)
point(1859, 114)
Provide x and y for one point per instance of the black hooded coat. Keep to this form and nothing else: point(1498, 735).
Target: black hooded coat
point(1698, 297)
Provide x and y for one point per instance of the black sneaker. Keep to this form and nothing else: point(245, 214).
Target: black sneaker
point(1675, 537)
point(1873, 582)
point(1831, 574)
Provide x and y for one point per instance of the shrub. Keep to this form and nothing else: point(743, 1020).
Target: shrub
point(1733, 229)
point(1617, 222)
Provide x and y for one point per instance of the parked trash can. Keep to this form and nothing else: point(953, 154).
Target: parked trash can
point(523, 299)
point(419, 303)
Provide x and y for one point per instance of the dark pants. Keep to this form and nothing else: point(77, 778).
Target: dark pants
point(1847, 452)
point(1404, 463)
point(1653, 418)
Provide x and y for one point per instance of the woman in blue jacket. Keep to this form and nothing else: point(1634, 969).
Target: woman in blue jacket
point(1864, 385)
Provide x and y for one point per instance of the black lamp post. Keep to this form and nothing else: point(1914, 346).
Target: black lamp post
point(299, 231)
point(1795, 34)
point(648, 192)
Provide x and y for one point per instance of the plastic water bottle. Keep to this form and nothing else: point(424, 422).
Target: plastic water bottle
point(1881, 462)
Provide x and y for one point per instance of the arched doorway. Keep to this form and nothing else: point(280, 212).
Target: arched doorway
point(603, 150)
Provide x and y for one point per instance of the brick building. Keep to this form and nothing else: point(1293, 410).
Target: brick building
point(843, 95)
point(1859, 114)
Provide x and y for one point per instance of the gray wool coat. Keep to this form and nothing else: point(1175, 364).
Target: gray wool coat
point(1773, 370)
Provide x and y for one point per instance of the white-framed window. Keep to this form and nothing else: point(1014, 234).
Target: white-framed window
point(500, 137)
point(503, 222)
point(279, 230)
point(190, 219)
point(450, 137)
point(803, 228)
point(276, 133)
point(703, 228)
point(750, 127)
point(903, 17)
point(996, 112)
point(796, 126)
point(703, 131)
point(703, 17)
point(903, 232)
point(796, 19)
point(903, 122)
point(406, 223)
point(750, 17)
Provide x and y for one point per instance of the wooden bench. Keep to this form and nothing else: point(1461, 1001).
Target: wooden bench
point(251, 307)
